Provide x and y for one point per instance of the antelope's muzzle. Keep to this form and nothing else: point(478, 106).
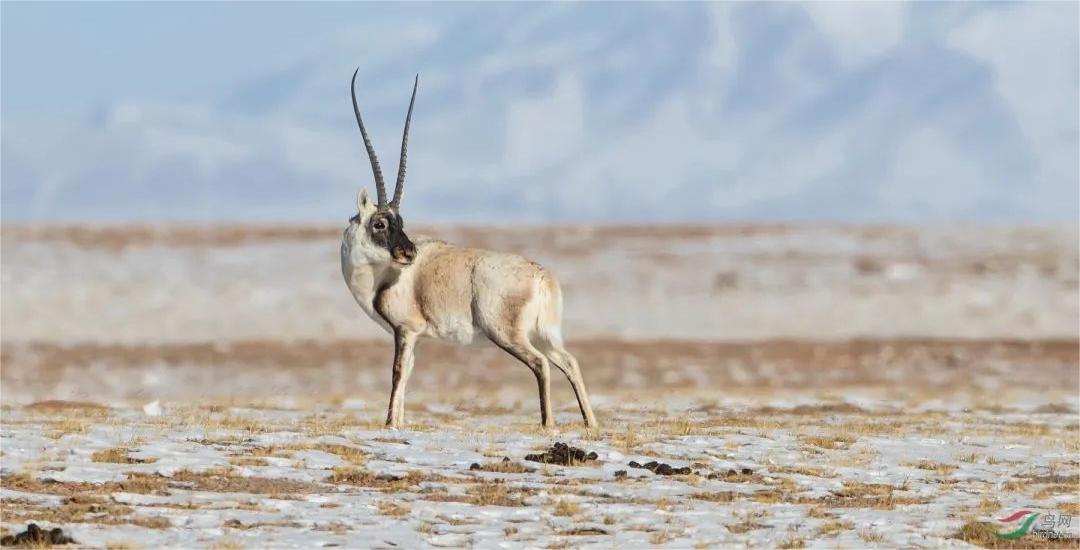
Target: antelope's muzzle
point(403, 251)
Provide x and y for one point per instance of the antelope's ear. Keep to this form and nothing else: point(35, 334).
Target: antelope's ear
point(363, 202)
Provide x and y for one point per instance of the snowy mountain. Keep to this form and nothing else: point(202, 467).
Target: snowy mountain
point(586, 112)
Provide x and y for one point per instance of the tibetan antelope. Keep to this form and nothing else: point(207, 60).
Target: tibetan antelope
point(425, 288)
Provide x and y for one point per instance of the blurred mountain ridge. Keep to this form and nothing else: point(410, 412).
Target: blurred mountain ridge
point(592, 112)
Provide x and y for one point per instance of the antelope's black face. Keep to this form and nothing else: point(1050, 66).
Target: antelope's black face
point(377, 231)
point(387, 230)
point(376, 235)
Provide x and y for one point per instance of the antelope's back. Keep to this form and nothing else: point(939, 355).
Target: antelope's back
point(466, 293)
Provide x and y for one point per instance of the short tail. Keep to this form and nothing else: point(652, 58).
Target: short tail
point(549, 315)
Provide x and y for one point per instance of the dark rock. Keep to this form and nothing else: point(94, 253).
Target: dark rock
point(619, 474)
point(661, 468)
point(732, 474)
point(474, 466)
point(36, 536)
point(561, 453)
point(585, 531)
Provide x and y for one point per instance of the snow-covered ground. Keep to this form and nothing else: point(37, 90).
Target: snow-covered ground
point(825, 474)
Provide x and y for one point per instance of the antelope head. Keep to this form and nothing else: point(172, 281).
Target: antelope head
point(377, 231)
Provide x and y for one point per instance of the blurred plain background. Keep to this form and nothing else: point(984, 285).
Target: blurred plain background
point(710, 182)
point(544, 112)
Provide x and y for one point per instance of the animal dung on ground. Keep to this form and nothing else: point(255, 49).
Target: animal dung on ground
point(563, 454)
point(661, 468)
point(36, 537)
point(731, 473)
point(506, 466)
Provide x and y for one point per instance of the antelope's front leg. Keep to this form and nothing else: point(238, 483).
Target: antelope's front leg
point(404, 342)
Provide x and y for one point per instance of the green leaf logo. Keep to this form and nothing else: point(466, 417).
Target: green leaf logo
point(1029, 518)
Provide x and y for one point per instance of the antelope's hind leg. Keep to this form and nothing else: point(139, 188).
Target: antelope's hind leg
point(569, 366)
point(524, 351)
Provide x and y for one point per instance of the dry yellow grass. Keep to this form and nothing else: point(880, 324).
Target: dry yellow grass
point(936, 467)
point(135, 483)
point(626, 439)
point(718, 496)
point(660, 537)
point(860, 458)
point(227, 544)
point(226, 480)
point(505, 467)
point(747, 521)
point(566, 508)
point(1049, 491)
point(792, 542)
point(68, 426)
point(831, 528)
point(1072, 508)
point(813, 471)
point(118, 455)
point(495, 494)
point(830, 441)
point(876, 428)
point(872, 537)
point(989, 505)
point(317, 425)
point(79, 509)
point(392, 509)
point(210, 421)
point(352, 455)
point(986, 535)
point(352, 475)
point(248, 461)
point(856, 494)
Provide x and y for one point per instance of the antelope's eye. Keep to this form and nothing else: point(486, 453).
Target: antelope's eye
point(378, 225)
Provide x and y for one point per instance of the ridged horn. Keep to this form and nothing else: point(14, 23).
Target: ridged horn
point(399, 187)
point(380, 186)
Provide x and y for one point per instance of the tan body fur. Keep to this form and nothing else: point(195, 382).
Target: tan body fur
point(462, 296)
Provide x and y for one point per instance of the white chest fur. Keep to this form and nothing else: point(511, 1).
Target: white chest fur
point(363, 282)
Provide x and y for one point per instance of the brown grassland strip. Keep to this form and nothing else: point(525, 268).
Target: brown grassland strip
point(78, 509)
point(944, 364)
point(222, 480)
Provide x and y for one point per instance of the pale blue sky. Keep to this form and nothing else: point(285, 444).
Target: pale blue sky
point(543, 112)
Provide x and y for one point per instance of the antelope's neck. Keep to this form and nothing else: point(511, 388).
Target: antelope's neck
point(364, 281)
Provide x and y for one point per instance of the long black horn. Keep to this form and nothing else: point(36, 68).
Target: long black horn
point(380, 186)
point(399, 187)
